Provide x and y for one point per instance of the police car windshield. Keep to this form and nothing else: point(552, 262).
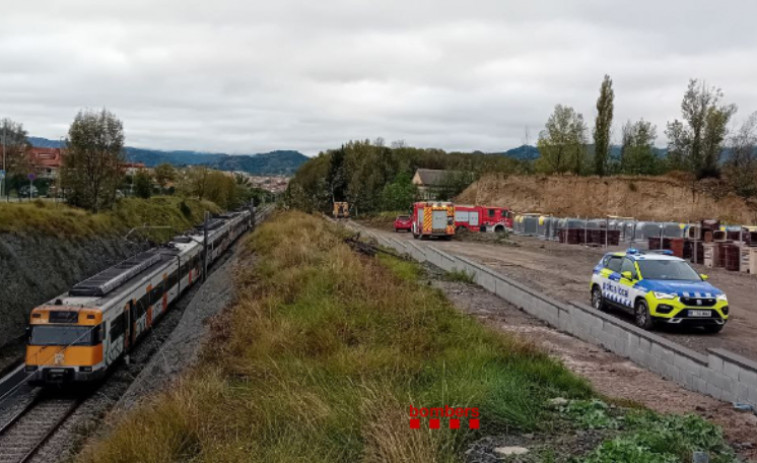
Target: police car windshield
point(667, 270)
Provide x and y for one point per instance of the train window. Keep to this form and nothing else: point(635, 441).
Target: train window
point(157, 293)
point(173, 278)
point(117, 327)
point(142, 304)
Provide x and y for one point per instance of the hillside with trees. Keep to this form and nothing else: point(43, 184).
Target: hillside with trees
point(373, 177)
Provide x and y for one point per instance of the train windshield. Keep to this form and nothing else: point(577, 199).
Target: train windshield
point(60, 335)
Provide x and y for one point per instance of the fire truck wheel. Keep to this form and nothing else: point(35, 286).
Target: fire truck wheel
point(499, 229)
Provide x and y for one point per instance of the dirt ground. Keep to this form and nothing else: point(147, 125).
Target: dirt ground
point(663, 198)
point(609, 374)
point(563, 271)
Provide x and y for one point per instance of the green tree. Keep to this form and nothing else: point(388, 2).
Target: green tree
point(164, 174)
point(13, 138)
point(142, 184)
point(602, 125)
point(193, 181)
point(562, 142)
point(92, 165)
point(455, 182)
point(695, 144)
point(741, 167)
point(637, 156)
point(400, 194)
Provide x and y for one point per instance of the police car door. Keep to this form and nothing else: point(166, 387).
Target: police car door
point(613, 290)
point(627, 291)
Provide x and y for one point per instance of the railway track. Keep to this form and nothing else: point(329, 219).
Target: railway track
point(31, 427)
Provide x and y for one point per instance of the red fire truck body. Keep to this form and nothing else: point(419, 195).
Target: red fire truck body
point(483, 218)
point(433, 218)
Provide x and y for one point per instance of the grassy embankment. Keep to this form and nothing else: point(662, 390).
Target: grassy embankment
point(60, 220)
point(321, 358)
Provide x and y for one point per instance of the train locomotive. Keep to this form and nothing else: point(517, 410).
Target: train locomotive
point(78, 335)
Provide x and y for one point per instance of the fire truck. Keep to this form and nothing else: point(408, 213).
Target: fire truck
point(433, 218)
point(483, 218)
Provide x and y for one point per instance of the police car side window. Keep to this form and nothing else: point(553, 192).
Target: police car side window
point(629, 267)
point(614, 264)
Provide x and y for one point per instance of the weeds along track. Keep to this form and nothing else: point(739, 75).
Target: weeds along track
point(30, 428)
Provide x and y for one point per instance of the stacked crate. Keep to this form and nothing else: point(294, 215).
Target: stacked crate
point(676, 246)
point(710, 254)
point(731, 256)
point(571, 235)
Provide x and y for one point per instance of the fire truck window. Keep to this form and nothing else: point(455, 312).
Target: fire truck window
point(492, 212)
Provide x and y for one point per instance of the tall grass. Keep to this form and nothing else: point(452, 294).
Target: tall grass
point(320, 359)
point(60, 220)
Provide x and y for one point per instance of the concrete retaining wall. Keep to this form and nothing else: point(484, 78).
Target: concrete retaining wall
point(721, 374)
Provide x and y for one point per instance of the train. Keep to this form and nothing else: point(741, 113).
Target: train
point(77, 336)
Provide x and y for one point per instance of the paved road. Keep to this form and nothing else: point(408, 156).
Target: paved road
point(563, 272)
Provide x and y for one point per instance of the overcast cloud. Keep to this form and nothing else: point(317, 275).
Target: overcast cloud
point(253, 76)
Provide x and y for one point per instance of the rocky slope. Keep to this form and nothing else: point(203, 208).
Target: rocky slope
point(36, 268)
point(664, 198)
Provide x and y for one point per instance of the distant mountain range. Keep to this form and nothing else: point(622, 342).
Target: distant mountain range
point(531, 153)
point(280, 162)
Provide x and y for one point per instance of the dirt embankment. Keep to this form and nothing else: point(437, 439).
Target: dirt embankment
point(663, 198)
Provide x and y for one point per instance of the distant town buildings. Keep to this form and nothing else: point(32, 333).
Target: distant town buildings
point(46, 162)
point(269, 183)
point(131, 168)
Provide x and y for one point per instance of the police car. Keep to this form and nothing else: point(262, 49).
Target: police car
point(657, 288)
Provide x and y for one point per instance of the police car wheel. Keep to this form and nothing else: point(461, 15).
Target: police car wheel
point(642, 316)
point(597, 300)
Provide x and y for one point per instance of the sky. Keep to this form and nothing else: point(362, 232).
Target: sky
point(254, 76)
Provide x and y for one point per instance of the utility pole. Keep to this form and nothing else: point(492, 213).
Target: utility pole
point(205, 247)
point(2, 179)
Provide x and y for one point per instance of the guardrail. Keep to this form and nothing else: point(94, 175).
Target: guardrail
point(719, 373)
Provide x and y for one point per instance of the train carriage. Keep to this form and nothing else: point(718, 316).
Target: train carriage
point(78, 335)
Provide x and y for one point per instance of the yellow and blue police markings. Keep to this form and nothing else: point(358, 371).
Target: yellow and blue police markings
point(675, 301)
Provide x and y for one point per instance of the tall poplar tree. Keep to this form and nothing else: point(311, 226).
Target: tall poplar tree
point(602, 126)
